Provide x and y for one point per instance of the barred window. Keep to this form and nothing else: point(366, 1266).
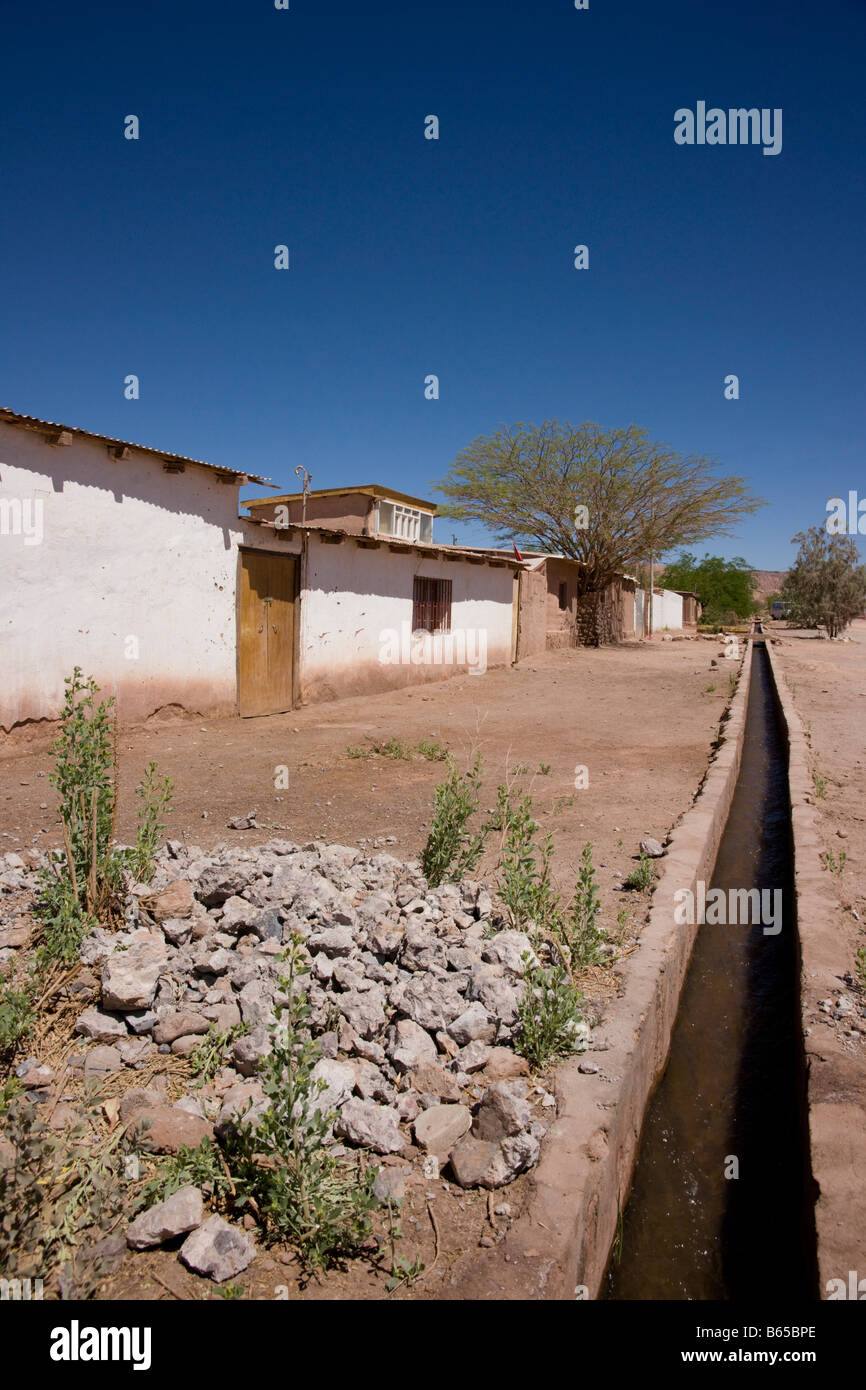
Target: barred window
point(431, 605)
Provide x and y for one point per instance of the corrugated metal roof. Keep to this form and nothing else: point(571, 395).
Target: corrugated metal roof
point(12, 417)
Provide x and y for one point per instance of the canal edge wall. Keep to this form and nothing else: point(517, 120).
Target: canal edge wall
point(559, 1246)
point(835, 1102)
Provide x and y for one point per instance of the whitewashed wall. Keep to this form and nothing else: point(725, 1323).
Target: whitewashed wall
point(131, 558)
point(353, 597)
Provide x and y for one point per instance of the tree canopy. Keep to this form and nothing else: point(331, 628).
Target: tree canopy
point(607, 498)
point(826, 586)
point(723, 586)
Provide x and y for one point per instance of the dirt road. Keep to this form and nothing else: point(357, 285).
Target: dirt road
point(640, 719)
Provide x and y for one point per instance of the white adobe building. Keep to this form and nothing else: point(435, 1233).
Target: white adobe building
point(133, 564)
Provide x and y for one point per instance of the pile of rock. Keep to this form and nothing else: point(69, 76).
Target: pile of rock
point(414, 995)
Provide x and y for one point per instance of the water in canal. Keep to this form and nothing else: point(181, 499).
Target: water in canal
point(734, 1086)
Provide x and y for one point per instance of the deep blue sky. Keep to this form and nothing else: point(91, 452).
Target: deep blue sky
point(411, 256)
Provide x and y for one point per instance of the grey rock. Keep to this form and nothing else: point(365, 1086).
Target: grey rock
point(142, 1020)
point(183, 1211)
point(370, 1125)
point(364, 1012)
point(129, 978)
point(248, 1050)
point(334, 941)
point(429, 1001)
point(101, 1027)
point(508, 948)
point(440, 1128)
point(339, 1083)
point(217, 884)
point(102, 1060)
point(503, 1111)
point(179, 1023)
point(217, 1250)
point(389, 1185)
point(409, 1045)
point(474, 1024)
point(499, 996)
point(652, 848)
point(472, 1057)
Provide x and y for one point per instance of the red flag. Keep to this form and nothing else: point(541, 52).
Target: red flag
point(517, 554)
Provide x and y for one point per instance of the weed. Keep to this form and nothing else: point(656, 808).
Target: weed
point(860, 968)
point(550, 1022)
point(450, 850)
point(202, 1167)
point(282, 1169)
point(544, 769)
point(83, 885)
point(209, 1057)
point(709, 690)
point(16, 1019)
point(643, 877)
point(395, 749)
point(580, 932)
point(525, 880)
point(361, 753)
point(230, 1291)
point(434, 752)
point(404, 1272)
point(155, 796)
point(836, 866)
point(820, 785)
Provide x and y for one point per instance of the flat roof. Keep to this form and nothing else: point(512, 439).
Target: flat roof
point(33, 422)
point(431, 548)
point(365, 489)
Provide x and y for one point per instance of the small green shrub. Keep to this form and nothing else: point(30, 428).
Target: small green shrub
point(283, 1170)
point(16, 1019)
point(450, 851)
point(155, 796)
point(395, 749)
point(434, 752)
point(820, 785)
point(83, 885)
point(549, 1016)
point(580, 932)
point(643, 877)
point(525, 881)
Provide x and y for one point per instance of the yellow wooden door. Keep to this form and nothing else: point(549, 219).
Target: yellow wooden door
point(267, 630)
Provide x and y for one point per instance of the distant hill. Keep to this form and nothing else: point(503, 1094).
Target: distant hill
point(768, 582)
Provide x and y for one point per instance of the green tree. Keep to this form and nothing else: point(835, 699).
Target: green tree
point(607, 498)
point(826, 587)
point(723, 586)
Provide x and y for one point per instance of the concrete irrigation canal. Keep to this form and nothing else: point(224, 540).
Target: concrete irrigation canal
point(721, 1204)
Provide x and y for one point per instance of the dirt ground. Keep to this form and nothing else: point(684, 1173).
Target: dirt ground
point(827, 681)
point(640, 718)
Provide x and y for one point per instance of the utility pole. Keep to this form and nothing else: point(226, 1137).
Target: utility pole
point(301, 470)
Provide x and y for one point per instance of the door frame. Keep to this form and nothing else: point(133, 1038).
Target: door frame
point(296, 632)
